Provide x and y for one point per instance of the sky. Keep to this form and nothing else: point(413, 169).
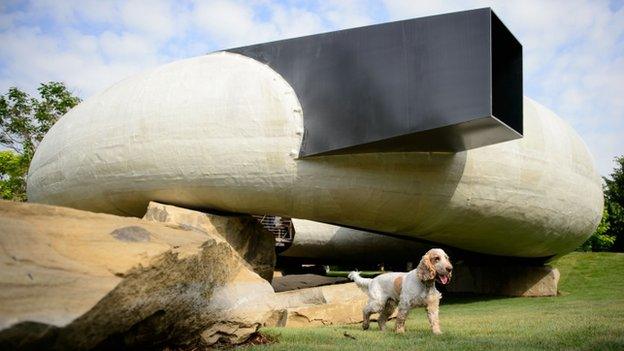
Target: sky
point(573, 49)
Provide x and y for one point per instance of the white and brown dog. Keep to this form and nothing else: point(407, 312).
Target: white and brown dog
point(407, 290)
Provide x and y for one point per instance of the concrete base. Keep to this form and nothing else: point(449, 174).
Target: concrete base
point(505, 280)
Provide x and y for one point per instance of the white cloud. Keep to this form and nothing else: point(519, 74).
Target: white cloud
point(153, 18)
point(87, 44)
point(573, 49)
point(231, 23)
point(573, 61)
point(126, 47)
point(234, 23)
point(35, 57)
point(294, 22)
point(342, 14)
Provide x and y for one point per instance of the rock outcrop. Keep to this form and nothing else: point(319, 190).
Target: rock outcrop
point(324, 305)
point(252, 241)
point(72, 279)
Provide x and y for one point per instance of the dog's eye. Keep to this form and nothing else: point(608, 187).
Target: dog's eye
point(436, 259)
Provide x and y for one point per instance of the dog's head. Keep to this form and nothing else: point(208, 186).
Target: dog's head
point(435, 265)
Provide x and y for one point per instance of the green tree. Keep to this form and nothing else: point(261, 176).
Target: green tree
point(24, 120)
point(609, 236)
point(614, 204)
point(600, 240)
point(12, 171)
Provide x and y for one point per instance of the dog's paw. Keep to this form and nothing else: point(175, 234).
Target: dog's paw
point(437, 332)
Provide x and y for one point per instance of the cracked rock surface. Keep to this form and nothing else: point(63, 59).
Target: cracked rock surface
point(72, 279)
point(254, 243)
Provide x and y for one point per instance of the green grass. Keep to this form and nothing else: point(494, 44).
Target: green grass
point(588, 315)
point(363, 274)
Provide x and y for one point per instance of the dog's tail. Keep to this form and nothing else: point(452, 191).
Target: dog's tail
point(362, 283)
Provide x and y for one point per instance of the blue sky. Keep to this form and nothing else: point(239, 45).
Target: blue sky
point(573, 49)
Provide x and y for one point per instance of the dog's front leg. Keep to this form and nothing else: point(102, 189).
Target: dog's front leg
point(433, 306)
point(404, 309)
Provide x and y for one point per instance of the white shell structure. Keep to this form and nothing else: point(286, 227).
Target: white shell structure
point(223, 132)
point(331, 243)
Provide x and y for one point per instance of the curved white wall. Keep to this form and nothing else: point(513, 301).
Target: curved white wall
point(223, 131)
point(320, 241)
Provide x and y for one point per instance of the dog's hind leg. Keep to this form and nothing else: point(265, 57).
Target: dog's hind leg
point(370, 308)
point(386, 313)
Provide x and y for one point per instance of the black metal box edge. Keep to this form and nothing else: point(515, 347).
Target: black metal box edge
point(443, 83)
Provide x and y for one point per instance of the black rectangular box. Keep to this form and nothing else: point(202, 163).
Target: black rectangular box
point(449, 82)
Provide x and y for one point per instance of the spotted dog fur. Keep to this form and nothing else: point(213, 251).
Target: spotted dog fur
point(415, 288)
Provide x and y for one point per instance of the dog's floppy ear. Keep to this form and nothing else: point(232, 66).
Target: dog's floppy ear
point(425, 270)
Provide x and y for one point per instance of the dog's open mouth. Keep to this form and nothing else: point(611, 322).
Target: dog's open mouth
point(443, 279)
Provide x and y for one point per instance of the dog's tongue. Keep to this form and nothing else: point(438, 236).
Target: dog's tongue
point(444, 279)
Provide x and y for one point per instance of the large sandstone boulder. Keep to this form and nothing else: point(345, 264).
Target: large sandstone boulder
point(252, 241)
point(324, 305)
point(72, 279)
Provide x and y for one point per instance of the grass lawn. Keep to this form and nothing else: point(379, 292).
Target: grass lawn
point(588, 315)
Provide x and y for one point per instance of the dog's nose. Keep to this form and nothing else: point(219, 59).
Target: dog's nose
point(449, 269)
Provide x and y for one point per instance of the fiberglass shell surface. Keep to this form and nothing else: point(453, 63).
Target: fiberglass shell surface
point(223, 131)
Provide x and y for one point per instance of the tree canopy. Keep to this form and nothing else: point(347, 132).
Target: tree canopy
point(24, 121)
point(614, 204)
point(609, 235)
